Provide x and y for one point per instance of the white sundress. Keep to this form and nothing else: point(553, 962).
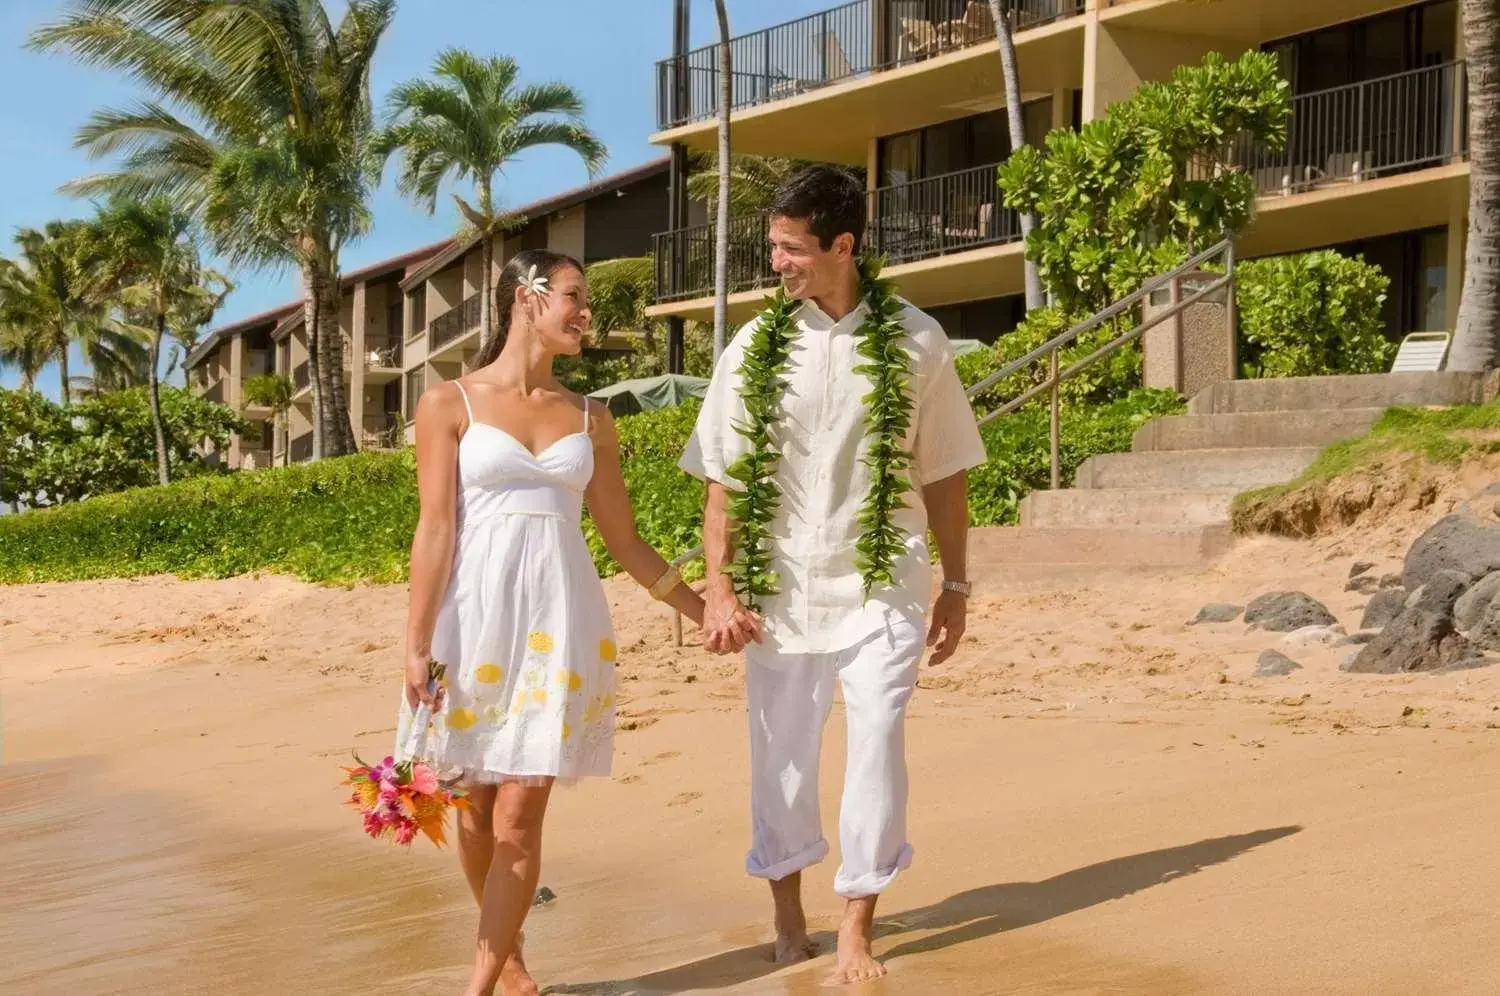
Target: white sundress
point(524, 629)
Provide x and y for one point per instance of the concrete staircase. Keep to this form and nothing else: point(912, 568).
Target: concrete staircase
point(1167, 501)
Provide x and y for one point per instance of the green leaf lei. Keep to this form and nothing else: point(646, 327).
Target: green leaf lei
point(880, 341)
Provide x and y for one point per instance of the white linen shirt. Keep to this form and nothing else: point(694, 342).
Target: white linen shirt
point(823, 480)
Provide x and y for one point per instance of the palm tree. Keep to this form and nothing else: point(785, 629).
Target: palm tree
point(469, 123)
point(258, 126)
point(273, 391)
point(1476, 337)
point(620, 291)
point(148, 262)
point(22, 348)
point(44, 293)
point(721, 216)
point(1003, 12)
point(753, 180)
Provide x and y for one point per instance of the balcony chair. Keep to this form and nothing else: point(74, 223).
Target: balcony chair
point(1422, 352)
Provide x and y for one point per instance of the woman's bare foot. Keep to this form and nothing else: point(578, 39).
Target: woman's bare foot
point(515, 980)
point(856, 963)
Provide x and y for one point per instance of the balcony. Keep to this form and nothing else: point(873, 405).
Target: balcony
point(259, 362)
point(908, 222)
point(215, 393)
point(301, 448)
point(301, 377)
point(382, 353)
point(1365, 131)
point(380, 432)
point(453, 324)
point(846, 42)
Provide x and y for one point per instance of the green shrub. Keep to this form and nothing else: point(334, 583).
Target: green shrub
point(1108, 379)
point(1019, 448)
point(1312, 314)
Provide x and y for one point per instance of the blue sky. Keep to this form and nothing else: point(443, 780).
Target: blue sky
point(605, 48)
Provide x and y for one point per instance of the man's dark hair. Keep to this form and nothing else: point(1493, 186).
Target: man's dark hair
point(829, 200)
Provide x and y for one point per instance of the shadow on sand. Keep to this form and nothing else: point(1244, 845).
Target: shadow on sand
point(961, 918)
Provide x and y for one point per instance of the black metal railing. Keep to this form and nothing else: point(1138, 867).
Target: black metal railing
point(301, 376)
point(909, 221)
point(301, 448)
point(383, 352)
point(454, 323)
point(843, 42)
point(1409, 121)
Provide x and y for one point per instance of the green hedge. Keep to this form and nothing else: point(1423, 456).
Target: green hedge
point(1312, 314)
point(351, 519)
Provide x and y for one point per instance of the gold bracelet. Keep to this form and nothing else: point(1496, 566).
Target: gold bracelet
point(665, 584)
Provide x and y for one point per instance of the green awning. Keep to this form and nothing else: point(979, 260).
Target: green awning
point(650, 393)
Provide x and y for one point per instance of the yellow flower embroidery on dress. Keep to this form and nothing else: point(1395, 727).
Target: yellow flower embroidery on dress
point(461, 719)
point(607, 651)
point(488, 674)
point(567, 731)
point(494, 714)
point(539, 696)
point(539, 642)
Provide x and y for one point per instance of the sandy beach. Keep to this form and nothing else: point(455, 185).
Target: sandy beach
point(1104, 800)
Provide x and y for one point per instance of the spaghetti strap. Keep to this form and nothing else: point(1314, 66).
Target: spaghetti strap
point(465, 395)
point(585, 415)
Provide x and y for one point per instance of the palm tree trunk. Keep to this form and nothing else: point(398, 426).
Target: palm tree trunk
point(1476, 337)
point(486, 290)
point(721, 219)
point(314, 292)
point(1000, 13)
point(338, 436)
point(62, 368)
point(158, 426)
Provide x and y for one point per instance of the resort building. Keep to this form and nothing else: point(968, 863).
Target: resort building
point(911, 92)
point(412, 321)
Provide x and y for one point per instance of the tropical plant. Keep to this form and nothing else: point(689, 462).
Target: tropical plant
point(44, 301)
point(753, 180)
point(469, 123)
point(1004, 14)
point(1476, 337)
point(22, 348)
point(273, 391)
point(1131, 194)
point(1311, 314)
point(258, 123)
point(148, 266)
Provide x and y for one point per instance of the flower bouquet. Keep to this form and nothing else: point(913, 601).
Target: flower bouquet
point(400, 799)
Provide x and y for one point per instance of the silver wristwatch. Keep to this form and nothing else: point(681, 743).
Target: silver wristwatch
point(963, 588)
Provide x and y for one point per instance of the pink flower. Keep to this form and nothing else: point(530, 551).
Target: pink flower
point(424, 780)
point(406, 832)
point(374, 825)
point(389, 792)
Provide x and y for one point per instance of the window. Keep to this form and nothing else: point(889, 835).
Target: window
point(416, 383)
point(1417, 265)
point(985, 320)
point(964, 143)
point(1414, 37)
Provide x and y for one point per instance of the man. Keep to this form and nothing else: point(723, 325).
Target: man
point(816, 622)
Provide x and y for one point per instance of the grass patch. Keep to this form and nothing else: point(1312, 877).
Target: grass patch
point(1440, 436)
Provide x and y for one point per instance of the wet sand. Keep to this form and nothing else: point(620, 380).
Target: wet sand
point(1104, 800)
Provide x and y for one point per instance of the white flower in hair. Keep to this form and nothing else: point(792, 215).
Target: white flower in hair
point(535, 286)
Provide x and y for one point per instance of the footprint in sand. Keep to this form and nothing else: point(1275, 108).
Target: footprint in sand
point(683, 798)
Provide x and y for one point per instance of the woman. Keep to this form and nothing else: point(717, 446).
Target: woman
point(504, 595)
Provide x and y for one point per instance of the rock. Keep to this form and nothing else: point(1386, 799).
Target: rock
point(1217, 612)
point(1385, 606)
point(1364, 584)
point(1469, 609)
point(1313, 636)
point(543, 896)
point(1469, 664)
point(1390, 581)
point(1284, 611)
point(1358, 638)
point(1486, 632)
point(1460, 543)
point(1416, 640)
point(1440, 594)
point(1349, 659)
point(1360, 567)
point(1275, 664)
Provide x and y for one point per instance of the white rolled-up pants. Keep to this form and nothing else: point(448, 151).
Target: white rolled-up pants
point(789, 697)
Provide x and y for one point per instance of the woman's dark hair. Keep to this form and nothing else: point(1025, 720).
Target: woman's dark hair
point(829, 200)
point(547, 263)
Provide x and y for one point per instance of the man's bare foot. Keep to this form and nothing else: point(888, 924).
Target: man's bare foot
point(792, 943)
point(515, 980)
point(855, 962)
point(792, 948)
